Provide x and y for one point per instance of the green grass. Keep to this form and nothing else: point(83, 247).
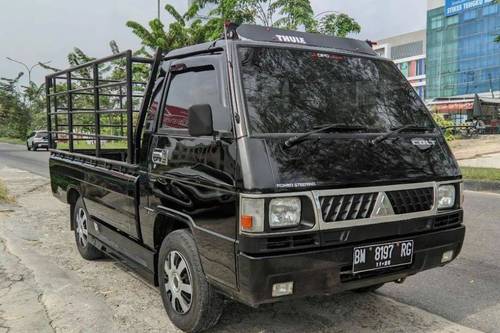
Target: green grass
point(481, 173)
point(12, 140)
point(4, 194)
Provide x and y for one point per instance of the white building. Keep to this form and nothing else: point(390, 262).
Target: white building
point(408, 51)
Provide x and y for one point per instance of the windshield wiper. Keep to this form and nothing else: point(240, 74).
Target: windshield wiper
point(396, 130)
point(322, 128)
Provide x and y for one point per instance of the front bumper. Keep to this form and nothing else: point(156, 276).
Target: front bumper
point(328, 271)
point(41, 144)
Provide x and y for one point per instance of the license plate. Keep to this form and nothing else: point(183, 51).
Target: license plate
point(380, 256)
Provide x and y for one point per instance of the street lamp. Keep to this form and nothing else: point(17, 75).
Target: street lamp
point(29, 69)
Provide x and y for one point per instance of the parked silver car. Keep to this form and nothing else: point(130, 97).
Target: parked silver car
point(38, 139)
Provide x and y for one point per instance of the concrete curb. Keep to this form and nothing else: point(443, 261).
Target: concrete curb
point(482, 185)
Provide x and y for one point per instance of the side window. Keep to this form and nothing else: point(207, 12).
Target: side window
point(154, 106)
point(198, 85)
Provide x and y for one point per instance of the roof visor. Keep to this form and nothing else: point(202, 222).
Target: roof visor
point(275, 35)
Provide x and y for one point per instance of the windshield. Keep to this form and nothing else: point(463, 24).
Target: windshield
point(293, 91)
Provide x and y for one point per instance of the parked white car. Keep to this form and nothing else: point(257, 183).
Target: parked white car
point(38, 139)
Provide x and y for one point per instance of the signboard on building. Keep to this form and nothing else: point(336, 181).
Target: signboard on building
point(454, 7)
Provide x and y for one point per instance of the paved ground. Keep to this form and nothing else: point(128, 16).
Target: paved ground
point(468, 290)
point(17, 156)
point(485, 161)
point(45, 286)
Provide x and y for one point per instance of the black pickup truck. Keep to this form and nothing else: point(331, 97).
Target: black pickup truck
point(264, 166)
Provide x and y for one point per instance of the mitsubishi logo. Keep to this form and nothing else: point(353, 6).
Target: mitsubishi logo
point(382, 206)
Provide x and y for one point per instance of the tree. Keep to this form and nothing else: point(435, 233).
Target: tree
point(180, 32)
point(15, 116)
point(338, 24)
point(287, 14)
point(190, 29)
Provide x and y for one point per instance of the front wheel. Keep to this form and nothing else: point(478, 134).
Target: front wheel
point(190, 302)
point(28, 146)
point(34, 147)
point(81, 224)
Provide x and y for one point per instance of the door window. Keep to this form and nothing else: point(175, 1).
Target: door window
point(154, 106)
point(197, 85)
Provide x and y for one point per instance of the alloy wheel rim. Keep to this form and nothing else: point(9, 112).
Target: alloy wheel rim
point(81, 227)
point(178, 282)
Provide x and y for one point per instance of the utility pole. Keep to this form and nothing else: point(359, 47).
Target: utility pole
point(28, 69)
point(159, 5)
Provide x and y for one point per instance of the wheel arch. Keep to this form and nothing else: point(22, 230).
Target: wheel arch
point(71, 198)
point(166, 222)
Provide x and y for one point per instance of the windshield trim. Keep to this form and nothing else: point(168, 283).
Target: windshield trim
point(248, 43)
point(243, 107)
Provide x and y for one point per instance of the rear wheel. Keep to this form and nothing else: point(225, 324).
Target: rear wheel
point(369, 288)
point(81, 223)
point(190, 302)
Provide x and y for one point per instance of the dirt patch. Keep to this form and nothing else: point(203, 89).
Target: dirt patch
point(473, 148)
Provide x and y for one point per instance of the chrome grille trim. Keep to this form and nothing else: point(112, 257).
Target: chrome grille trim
point(324, 225)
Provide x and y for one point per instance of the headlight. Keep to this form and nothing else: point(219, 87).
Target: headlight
point(446, 196)
point(284, 212)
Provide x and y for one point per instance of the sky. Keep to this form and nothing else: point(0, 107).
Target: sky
point(47, 30)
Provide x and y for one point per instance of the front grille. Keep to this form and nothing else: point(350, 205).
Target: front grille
point(289, 242)
point(347, 207)
point(442, 221)
point(411, 201)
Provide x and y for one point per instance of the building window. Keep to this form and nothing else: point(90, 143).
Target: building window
point(490, 10)
point(404, 68)
point(470, 15)
point(420, 67)
point(452, 20)
point(436, 22)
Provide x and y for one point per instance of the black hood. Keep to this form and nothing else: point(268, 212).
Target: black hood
point(333, 162)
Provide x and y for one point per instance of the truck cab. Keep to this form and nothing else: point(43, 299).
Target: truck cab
point(261, 167)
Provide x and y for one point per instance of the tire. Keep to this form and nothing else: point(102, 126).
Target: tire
point(34, 147)
point(80, 222)
point(28, 146)
point(369, 288)
point(179, 272)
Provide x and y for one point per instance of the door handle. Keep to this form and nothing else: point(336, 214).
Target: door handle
point(160, 156)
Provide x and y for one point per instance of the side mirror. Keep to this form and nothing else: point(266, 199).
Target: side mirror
point(200, 120)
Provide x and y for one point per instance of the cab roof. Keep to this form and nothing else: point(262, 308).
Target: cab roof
point(256, 33)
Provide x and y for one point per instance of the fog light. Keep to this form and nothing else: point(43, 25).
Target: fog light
point(282, 289)
point(447, 256)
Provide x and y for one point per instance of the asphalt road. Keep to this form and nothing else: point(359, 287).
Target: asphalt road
point(17, 156)
point(467, 291)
